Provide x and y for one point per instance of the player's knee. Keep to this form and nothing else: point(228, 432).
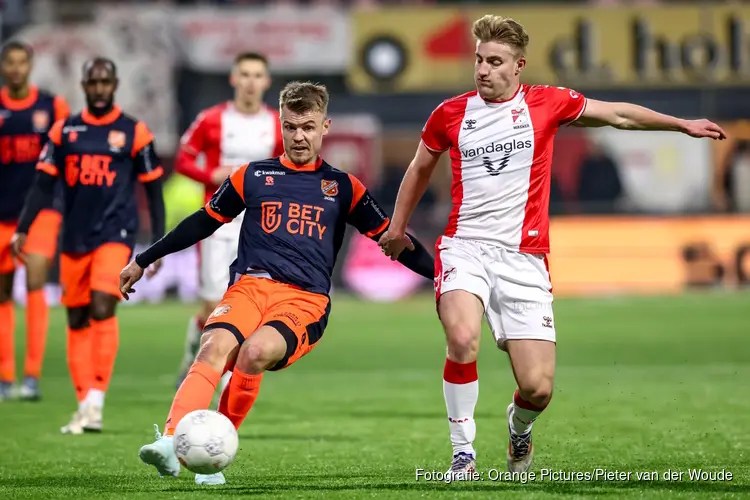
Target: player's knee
point(255, 357)
point(217, 346)
point(101, 310)
point(463, 342)
point(536, 388)
point(103, 305)
point(78, 318)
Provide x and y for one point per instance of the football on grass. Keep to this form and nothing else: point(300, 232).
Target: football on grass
point(205, 442)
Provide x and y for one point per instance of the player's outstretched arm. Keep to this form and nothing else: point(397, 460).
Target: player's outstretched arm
point(226, 204)
point(412, 188)
point(194, 228)
point(627, 116)
point(415, 256)
point(372, 221)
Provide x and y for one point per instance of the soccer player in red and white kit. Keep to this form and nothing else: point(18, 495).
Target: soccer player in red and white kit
point(228, 135)
point(492, 258)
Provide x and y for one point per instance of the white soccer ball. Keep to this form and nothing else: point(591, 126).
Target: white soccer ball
point(205, 442)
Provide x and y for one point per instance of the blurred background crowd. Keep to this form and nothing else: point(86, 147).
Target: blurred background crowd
point(633, 211)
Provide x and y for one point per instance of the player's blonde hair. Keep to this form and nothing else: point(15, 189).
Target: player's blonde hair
point(491, 28)
point(303, 97)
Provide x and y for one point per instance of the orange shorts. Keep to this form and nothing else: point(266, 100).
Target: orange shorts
point(42, 238)
point(99, 270)
point(251, 302)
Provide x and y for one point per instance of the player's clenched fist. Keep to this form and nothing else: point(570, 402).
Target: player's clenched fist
point(393, 244)
point(17, 242)
point(129, 277)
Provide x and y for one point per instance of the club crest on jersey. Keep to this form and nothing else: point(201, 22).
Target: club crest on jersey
point(72, 136)
point(40, 120)
point(116, 140)
point(520, 118)
point(329, 188)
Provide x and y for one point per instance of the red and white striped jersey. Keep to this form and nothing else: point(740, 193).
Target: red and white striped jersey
point(225, 136)
point(501, 159)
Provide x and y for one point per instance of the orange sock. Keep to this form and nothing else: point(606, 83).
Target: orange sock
point(195, 393)
point(37, 323)
point(7, 337)
point(104, 343)
point(79, 360)
point(239, 396)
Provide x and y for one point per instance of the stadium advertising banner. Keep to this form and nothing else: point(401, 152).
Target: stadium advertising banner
point(418, 49)
point(296, 40)
point(654, 256)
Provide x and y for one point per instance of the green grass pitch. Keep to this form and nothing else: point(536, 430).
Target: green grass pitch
point(643, 385)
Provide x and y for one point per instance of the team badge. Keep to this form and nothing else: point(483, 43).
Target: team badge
point(116, 139)
point(220, 311)
point(40, 120)
point(518, 115)
point(270, 216)
point(329, 188)
point(72, 136)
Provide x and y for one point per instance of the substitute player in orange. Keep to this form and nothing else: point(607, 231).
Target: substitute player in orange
point(491, 260)
point(26, 115)
point(226, 136)
point(296, 209)
point(97, 156)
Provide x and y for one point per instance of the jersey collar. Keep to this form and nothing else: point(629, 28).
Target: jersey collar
point(19, 104)
point(101, 120)
point(307, 167)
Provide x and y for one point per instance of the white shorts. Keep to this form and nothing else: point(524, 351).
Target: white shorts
point(217, 252)
point(514, 287)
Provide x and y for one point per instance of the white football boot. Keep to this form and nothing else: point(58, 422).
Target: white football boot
point(161, 455)
point(520, 449)
point(210, 479)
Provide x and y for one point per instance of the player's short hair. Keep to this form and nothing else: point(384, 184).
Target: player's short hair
point(12, 45)
point(250, 56)
point(492, 28)
point(99, 61)
point(303, 97)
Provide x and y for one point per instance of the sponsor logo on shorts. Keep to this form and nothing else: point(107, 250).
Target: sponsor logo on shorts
point(220, 311)
point(293, 317)
point(547, 322)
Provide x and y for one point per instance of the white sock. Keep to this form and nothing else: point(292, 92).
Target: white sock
point(522, 419)
point(224, 381)
point(94, 398)
point(461, 391)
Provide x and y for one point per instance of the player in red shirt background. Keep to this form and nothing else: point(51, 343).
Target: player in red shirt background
point(491, 260)
point(26, 115)
point(226, 136)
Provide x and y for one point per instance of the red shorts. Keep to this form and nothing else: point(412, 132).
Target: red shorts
point(99, 270)
point(41, 240)
point(250, 303)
